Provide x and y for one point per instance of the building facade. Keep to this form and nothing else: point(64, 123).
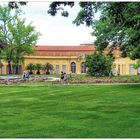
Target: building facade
point(71, 59)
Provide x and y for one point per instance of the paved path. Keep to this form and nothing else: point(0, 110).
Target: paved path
point(53, 79)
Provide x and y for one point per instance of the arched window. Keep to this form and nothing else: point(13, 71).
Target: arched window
point(73, 67)
point(83, 67)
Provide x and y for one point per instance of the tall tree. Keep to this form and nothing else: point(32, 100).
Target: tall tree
point(19, 37)
point(25, 37)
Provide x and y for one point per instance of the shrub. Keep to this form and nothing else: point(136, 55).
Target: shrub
point(38, 67)
point(30, 67)
point(48, 67)
point(99, 64)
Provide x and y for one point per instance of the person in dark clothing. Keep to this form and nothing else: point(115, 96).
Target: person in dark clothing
point(24, 75)
point(62, 76)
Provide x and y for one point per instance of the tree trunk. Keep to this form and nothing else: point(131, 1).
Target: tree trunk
point(31, 72)
point(38, 72)
point(47, 72)
point(17, 66)
point(17, 70)
point(9, 67)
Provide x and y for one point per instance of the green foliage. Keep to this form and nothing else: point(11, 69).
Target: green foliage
point(55, 6)
point(14, 66)
point(30, 67)
point(47, 67)
point(85, 15)
point(119, 23)
point(18, 37)
point(137, 64)
point(99, 64)
point(16, 4)
point(38, 67)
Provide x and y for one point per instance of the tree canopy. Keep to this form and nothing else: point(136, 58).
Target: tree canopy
point(17, 37)
point(16, 4)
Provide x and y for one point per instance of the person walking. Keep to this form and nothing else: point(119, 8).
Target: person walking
point(65, 78)
point(27, 76)
point(24, 75)
point(62, 76)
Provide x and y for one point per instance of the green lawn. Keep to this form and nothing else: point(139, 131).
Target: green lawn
point(70, 111)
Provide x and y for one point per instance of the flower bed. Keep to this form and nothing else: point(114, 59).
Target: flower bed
point(76, 79)
point(118, 79)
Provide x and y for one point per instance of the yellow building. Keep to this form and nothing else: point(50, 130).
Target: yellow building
point(70, 59)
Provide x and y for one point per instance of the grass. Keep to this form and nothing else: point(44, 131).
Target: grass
point(70, 111)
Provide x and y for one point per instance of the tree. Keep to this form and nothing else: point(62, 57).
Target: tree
point(18, 37)
point(30, 67)
point(25, 37)
point(17, 59)
point(99, 64)
point(119, 22)
point(38, 67)
point(48, 67)
point(1, 50)
point(1, 65)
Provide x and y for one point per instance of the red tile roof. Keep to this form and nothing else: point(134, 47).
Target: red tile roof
point(66, 48)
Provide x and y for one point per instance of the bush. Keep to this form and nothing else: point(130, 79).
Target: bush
point(30, 67)
point(99, 64)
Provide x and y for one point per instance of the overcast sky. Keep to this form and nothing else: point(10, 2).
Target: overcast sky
point(56, 30)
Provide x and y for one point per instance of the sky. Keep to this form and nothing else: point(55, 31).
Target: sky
point(56, 30)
